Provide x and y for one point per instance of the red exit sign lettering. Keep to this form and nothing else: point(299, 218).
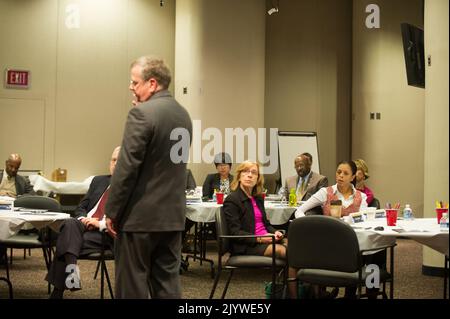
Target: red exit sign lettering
point(17, 79)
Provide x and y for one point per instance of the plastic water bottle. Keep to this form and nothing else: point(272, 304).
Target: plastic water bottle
point(292, 198)
point(444, 222)
point(407, 213)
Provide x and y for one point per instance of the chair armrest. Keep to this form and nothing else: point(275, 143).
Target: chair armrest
point(246, 236)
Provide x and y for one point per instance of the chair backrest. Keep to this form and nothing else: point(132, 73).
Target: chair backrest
point(38, 202)
point(375, 203)
point(323, 242)
point(222, 229)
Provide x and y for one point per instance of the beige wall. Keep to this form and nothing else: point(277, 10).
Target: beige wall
point(308, 74)
point(393, 147)
point(79, 95)
point(220, 59)
point(436, 114)
point(28, 41)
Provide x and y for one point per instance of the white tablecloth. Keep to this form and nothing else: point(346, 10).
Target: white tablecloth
point(40, 183)
point(12, 222)
point(205, 212)
point(423, 230)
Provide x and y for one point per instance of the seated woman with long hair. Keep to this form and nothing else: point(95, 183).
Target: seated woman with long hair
point(245, 214)
point(344, 190)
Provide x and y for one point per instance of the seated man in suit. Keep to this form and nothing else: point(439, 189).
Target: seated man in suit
point(306, 182)
point(81, 235)
point(11, 183)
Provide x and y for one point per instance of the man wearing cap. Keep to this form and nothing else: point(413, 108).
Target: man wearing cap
point(220, 180)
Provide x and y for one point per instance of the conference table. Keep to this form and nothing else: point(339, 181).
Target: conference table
point(425, 231)
point(13, 221)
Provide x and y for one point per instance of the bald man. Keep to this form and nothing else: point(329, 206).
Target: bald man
point(12, 184)
point(306, 183)
point(81, 235)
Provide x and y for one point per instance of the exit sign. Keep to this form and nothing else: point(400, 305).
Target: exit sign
point(17, 79)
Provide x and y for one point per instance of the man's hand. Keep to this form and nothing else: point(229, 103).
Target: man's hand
point(93, 223)
point(111, 228)
point(90, 223)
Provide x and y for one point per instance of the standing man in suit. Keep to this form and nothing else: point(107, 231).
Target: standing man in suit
point(307, 182)
point(11, 183)
point(81, 235)
point(147, 205)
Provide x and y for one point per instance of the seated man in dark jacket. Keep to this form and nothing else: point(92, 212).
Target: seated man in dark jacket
point(81, 235)
point(13, 185)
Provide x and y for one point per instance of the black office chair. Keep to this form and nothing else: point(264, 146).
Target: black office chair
point(241, 261)
point(326, 253)
point(31, 240)
point(101, 257)
point(375, 203)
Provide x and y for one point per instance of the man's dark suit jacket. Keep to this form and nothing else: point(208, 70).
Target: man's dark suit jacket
point(238, 211)
point(96, 189)
point(23, 185)
point(211, 183)
point(147, 191)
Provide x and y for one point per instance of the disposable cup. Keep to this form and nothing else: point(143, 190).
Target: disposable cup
point(439, 212)
point(219, 197)
point(391, 217)
point(336, 211)
point(370, 214)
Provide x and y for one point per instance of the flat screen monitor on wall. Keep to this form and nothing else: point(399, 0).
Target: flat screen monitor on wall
point(413, 50)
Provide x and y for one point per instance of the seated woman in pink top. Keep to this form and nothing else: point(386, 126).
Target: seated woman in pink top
point(362, 174)
point(245, 214)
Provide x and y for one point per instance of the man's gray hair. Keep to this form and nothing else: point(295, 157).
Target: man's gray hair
point(153, 67)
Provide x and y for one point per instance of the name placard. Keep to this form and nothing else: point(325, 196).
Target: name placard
point(380, 214)
point(357, 217)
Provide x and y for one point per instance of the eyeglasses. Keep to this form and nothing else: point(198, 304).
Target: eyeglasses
point(248, 172)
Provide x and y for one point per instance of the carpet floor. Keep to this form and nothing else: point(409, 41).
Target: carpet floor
point(27, 277)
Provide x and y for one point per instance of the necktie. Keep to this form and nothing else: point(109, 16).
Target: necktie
point(301, 191)
point(101, 206)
